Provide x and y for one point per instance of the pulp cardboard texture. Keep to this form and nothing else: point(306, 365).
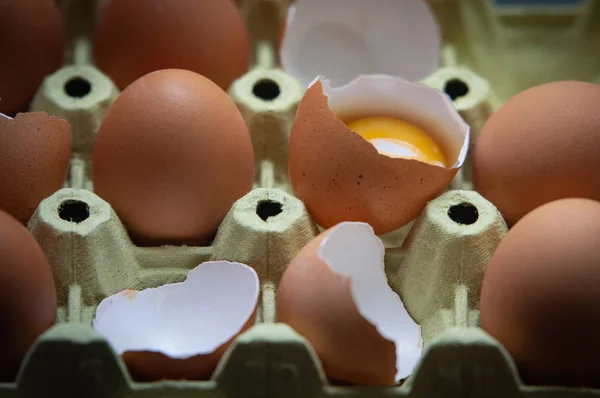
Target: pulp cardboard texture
point(435, 264)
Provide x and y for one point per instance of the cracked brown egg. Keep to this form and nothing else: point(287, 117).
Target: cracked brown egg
point(375, 150)
point(35, 150)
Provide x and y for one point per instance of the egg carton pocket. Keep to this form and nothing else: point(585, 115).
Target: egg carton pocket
point(436, 264)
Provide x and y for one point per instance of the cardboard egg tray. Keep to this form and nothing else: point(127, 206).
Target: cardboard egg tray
point(435, 264)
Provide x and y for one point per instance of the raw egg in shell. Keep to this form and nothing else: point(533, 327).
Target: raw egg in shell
point(375, 150)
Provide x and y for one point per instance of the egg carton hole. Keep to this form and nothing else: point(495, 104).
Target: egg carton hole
point(267, 209)
point(463, 213)
point(266, 89)
point(456, 88)
point(77, 87)
point(74, 211)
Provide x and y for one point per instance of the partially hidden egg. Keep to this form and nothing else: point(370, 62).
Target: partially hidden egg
point(27, 294)
point(335, 294)
point(374, 151)
point(540, 295)
point(171, 157)
point(181, 330)
point(136, 37)
point(35, 150)
point(541, 145)
point(32, 47)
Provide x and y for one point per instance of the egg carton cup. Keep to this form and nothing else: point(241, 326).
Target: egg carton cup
point(435, 264)
point(517, 47)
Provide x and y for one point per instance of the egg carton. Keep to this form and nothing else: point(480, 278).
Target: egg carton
point(518, 44)
point(435, 264)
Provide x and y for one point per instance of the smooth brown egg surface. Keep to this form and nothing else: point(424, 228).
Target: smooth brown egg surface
point(27, 294)
point(542, 145)
point(35, 150)
point(171, 157)
point(540, 295)
point(136, 37)
point(31, 48)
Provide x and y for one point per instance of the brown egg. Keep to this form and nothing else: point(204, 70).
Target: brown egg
point(342, 176)
point(335, 294)
point(136, 37)
point(540, 295)
point(31, 48)
point(27, 294)
point(542, 145)
point(172, 155)
point(34, 158)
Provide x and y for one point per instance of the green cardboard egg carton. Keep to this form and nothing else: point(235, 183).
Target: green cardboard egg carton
point(436, 263)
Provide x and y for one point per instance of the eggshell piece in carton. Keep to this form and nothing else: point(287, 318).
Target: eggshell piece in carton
point(342, 177)
point(540, 295)
point(335, 293)
point(31, 47)
point(171, 157)
point(27, 294)
point(342, 39)
point(34, 157)
point(181, 330)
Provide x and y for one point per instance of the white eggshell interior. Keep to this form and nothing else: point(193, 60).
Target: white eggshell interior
point(353, 250)
point(382, 95)
point(342, 39)
point(5, 116)
point(185, 319)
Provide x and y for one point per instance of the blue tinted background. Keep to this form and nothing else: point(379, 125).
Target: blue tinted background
point(538, 2)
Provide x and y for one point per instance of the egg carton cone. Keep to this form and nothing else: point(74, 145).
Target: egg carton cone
point(435, 264)
point(516, 45)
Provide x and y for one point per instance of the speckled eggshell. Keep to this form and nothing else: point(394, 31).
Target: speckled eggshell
point(136, 37)
point(316, 301)
point(27, 294)
point(34, 158)
point(540, 295)
point(341, 177)
point(171, 157)
point(541, 145)
point(31, 47)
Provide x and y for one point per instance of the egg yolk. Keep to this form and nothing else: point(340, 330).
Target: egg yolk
point(399, 139)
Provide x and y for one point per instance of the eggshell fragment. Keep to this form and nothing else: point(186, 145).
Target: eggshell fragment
point(335, 293)
point(27, 294)
point(343, 39)
point(34, 158)
point(342, 177)
point(181, 330)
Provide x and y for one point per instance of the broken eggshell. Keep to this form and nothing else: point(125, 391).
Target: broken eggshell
point(342, 39)
point(335, 294)
point(34, 160)
point(181, 330)
point(340, 176)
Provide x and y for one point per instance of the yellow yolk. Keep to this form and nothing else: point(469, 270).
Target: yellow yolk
point(399, 139)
